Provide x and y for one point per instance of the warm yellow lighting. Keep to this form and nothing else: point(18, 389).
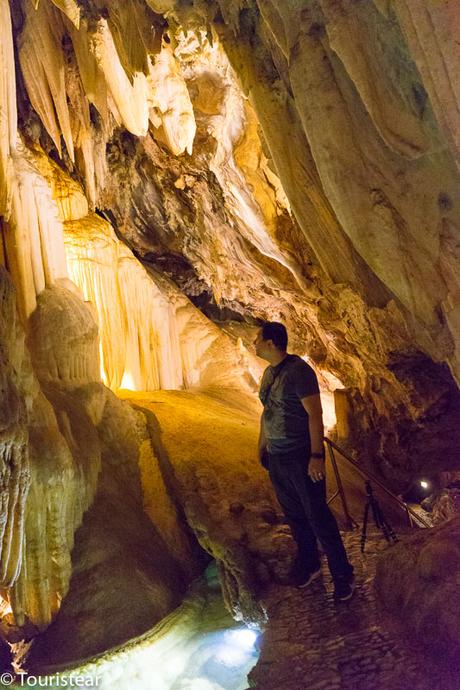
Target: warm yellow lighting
point(327, 384)
point(102, 368)
point(5, 607)
point(103, 376)
point(127, 382)
point(424, 484)
point(329, 417)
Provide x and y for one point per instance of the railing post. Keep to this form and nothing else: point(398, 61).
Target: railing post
point(349, 520)
point(409, 516)
point(414, 518)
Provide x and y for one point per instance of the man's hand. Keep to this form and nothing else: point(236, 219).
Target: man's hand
point(316, 469)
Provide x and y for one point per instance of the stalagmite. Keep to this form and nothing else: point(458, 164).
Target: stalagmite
point(64, 451)
point(18, 389)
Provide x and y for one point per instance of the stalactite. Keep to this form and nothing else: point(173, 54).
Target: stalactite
point(125, 78)
point(34, 238)
point(8, 119)
point(131, 100)
point(88, 87)
point(161, 6)
point(92, 255)
point(68, 195)
point(375, 201)
point(91, 74)
point(61, 89)
point(133, 37)
point(140, 349)
point(71, 9)
point(252, 200)
point(167, 345)
point(42, 63)
point(171, 103)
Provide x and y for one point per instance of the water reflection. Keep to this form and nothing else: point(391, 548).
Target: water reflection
point(197, 647)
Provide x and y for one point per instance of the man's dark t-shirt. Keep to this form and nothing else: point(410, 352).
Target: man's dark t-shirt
point(285, 420)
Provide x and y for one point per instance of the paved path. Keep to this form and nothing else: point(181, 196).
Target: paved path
point(313, 644)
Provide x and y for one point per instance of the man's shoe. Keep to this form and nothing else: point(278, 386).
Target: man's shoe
point(307, 578)
point(344, 589)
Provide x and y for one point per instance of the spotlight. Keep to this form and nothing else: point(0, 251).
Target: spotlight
point(418, 491)
point(244, 638)
point(237, 647)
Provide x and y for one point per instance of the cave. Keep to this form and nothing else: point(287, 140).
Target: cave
point(173, 175)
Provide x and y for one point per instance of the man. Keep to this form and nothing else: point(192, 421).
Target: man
point(291, 448)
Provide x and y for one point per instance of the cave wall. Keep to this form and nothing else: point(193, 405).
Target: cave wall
point(129, 326)
point(362, 138)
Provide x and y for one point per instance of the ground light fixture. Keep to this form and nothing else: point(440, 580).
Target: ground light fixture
point(419, 490)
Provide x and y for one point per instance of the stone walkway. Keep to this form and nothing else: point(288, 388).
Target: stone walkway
point(311, 643)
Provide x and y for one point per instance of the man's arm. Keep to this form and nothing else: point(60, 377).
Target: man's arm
point(312, 405)
point(262, 444)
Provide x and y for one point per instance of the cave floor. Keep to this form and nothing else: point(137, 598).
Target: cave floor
point(311, 643)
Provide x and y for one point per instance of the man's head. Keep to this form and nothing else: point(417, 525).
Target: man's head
point(271, 341)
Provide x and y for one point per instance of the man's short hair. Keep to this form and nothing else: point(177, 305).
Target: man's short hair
point(277, 333)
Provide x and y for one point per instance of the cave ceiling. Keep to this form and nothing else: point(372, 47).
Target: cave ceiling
point(296, 161)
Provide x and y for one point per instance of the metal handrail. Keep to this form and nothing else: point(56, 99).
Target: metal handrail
point(411, 514)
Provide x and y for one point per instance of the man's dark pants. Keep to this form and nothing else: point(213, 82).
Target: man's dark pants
point(307, 513)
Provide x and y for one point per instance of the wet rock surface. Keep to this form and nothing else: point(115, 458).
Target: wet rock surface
point(311, 643)
point(425, 598)
point(447, 504)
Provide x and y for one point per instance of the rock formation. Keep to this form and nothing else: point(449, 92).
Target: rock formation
point(177, 468)
point(170, 172)
point(417, 584)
